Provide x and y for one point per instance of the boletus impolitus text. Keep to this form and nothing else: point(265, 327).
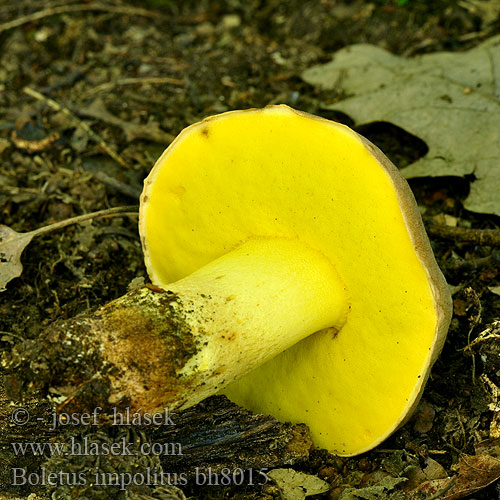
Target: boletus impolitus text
point(290, 270)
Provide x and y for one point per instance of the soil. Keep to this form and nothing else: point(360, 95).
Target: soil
point(136, 78)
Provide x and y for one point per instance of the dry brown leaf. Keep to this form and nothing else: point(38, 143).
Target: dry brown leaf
point(475, 473)
point(13, 243)
point(294, 485)
point(488, 446)
point(450, 100)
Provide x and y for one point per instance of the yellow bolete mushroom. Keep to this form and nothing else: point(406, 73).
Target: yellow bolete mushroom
point(290, 269)
point(307, 280)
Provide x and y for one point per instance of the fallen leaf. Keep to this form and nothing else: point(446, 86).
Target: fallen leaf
point(379, 491)
point(449, 100)
point(474, 473)
point(295, 485)
point(12, 245)
point(488, 11)
point(430, 470)
point(489, 446)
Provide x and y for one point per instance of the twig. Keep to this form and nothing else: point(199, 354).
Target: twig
point(447, 488)
point(66, 81)
point(134, 81)
point(114, 183)
point(458, 264)
point(34, 146)
point(59, 107)
point(492, 331)
point(396, 450)
point(82, 218)
point(461, 424)
point(150, 131)
point(486, 237)
point(33, 4)
point(474, 321)
point(13, 336)
point(63, 9)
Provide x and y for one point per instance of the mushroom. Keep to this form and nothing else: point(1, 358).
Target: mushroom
point(284, 228)
point(290, 269)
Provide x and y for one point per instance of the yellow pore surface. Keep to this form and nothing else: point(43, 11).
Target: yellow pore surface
point(277, 173)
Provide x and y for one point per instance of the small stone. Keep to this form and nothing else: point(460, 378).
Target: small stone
point(424, 418)
point(205, 29)
point(231, 21)
point(328, 474)
point(364, 465)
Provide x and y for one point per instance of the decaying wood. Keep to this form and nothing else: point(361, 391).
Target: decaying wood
point(218, 434)
point(10, 433)
point(211, 437)
point(486, 237)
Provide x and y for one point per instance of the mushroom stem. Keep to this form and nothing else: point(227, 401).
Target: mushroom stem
point(253, 303)
point(153, 348)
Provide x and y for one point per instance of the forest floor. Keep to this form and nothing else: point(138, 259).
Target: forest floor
point(135, 77)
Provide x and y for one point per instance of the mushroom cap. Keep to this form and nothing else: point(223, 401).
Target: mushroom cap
point(277, 172)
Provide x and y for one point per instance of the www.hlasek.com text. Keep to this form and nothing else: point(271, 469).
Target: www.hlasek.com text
point(87, 447)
